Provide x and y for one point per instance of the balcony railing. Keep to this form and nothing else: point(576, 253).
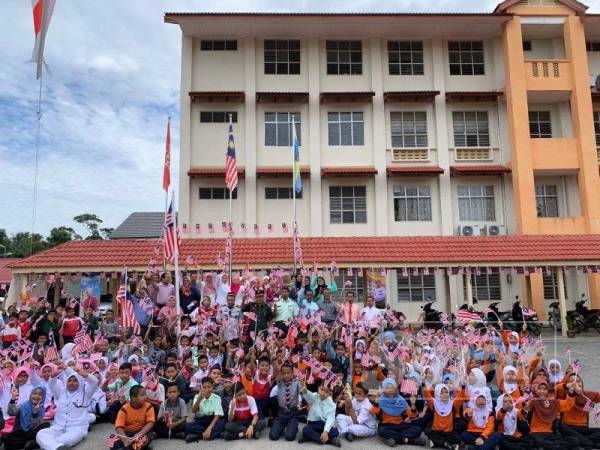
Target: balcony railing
point(552, 74)
point(473, 154)
point(410, 154)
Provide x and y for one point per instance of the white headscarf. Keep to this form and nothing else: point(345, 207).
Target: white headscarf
point(441, 408)
point(67, 351)
point(510, 417)
point(515, 347)
point(480, 382)
point(509, 388)
point(480, 415)
point(559, 376)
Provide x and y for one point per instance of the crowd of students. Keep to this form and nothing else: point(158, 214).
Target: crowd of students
point(280, 357)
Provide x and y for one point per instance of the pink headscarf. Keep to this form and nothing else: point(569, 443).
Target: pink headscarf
point(209, 285)
point(169, 311)
point(19, 371)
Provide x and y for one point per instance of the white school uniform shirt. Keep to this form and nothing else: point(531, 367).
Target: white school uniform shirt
point(364, 415)
point(72, 406)
point(222, 291)
point(369, 314)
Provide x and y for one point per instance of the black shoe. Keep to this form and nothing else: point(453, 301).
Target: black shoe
point(256, 434)
point(335, 442)
point(192, 438)
point(31, 445)
point(302, 439)
point(179, 435)
point(390, 442)
point(270, 422)
point(349, 437)
point(419, 441)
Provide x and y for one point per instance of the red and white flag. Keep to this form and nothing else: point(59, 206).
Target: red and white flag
point(408, 387)
point(167, 167)
point(231, 175)
point(172, 237)
point(465, 316)
point(125, 306)
point(42, 13)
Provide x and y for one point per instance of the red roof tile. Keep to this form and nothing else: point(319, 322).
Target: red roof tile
point(480, 169)
point(5, 272)
point(348, 171)
point(415, 170)
point(212, 172)
point(281, 170)
point(270, 252)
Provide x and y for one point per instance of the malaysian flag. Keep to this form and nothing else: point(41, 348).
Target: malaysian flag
point(83, 342)
point(231, 175)
point(125, 306)
point(52, 353)
point(408, 387)
point(465, 316)
point(284, 227)
point(170, 231)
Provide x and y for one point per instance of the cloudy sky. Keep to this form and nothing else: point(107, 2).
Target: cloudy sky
point(114, 80)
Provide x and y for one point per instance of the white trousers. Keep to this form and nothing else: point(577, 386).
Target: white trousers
point(55, 436)
point(345, 425)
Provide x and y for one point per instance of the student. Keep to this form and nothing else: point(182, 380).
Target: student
point(172, 415)
point(288, 394)
point(575, 422)
point(120, 390)
point(71, 420)
point(320, 428)
point(510, 421)
point(444, 406)
point(392, 409)
point(172, 375)
point(29, 420)
point(11, 332)
point(480, 430)
point(261, 385)
point(71, 324)
point(208, 422)
point(243, 421)
point(359, 420)
point(135, 421)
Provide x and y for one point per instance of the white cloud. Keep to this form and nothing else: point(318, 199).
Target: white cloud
point(115, 79)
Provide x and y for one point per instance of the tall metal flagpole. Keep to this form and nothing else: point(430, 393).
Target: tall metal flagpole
point(230, 223)
point(168, 145)
point(176, 257)
point(294, 220)
point(37, 155)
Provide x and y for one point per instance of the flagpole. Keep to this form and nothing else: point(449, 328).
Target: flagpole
point(176, 257)
point(167, 149)
point(294, 223)
point(230, 223)
point(37, 155)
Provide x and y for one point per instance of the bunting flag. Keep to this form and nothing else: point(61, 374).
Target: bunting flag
point(167, 166)
point(197, 228)
point(83, 342)
point(269, 228)
point(42, 13)
point(244, 227)
point(211, 228)
point(284, 227)
point(256, 229)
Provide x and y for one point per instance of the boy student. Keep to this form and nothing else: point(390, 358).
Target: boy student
point(288, 394)
point(70, 326)
point(120, 390)
point(135, 421)
point(11, 332)
point(321, 427)
point(172, 415)
point(243, 416)
point(208, 422)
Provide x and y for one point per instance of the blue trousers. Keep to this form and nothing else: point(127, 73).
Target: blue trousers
point(399, 432)
point(313, 431)
point(489, 444)
point(286, 424)
point(200, 424)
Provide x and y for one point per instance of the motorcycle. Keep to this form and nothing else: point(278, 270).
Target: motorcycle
point(498, 319)
point(525, 316)
point(584, 318)
point(432, 318)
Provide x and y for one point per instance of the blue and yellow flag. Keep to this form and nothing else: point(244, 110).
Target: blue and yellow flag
point(296, 169)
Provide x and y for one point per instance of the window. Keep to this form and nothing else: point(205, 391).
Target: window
point(551, 284)
point(597, 127)
point(412, 203)
point(282, 57)
point(405, 58)
point(346, 128)
point(357, 286)
point(348, 204)
point(280, 193)
point(218, 116)
point(218, 45)
point(216, 193)
point(409, 129)
point(278, 129)
point(540, 125)
point(546, 198)
point(476, 203)
point(592, 46)
point(527, 46)
point(466, 58)
point(415, 288)
point(344, 57)
point(471, 129)
point(486, 286)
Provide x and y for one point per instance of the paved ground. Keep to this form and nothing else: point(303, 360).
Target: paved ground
point(585, 348)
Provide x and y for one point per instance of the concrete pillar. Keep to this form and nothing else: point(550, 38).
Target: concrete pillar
point(469, 282)
point(562, 300)
point(186, 197)
point(536, 298)
point(314, 134)
point(441, 133)
point(379, 139)
point(250, 194)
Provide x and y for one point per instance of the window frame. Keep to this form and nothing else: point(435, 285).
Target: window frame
point(540, 125)
point(278, 193)
point(277, 124)
point(483, 284)
point(406, 134)
point(398, 197)
point(358, 286)
point(211, 115)
point(343, 57)
point(542, 196)
point(550, 284)
point(597, 127)
point(214, 45)
point(415, 286)
point(345, 211)
point(216, 193)
point(290, 57)
point(471, 197)
point(471, 129)
point(466, 58)
point(359, 124)
point(411, 66)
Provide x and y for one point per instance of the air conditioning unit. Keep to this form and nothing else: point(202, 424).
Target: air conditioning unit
point(469, 230)
point(495, 230)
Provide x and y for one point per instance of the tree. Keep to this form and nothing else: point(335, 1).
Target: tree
point(92, 223)
point(22, 244)
point(5, 242)
point(106, 232)
point(60, 235)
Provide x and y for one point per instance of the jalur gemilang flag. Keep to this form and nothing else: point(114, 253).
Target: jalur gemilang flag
point(172, 237)
point(42, 13)
point(167, 167)
point(231, 175)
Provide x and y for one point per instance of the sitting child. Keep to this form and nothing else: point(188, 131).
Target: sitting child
point(208, 422)
point(29, 420)
point(135, 421)
point(480, 431)
point(243, 416)
point(359, 420)
point(321, 427)
point(172, 415)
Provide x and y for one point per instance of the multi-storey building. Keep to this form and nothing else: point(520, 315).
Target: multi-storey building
point(409, 124)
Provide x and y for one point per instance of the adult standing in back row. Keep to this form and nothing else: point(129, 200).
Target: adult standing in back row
point(165, 289)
